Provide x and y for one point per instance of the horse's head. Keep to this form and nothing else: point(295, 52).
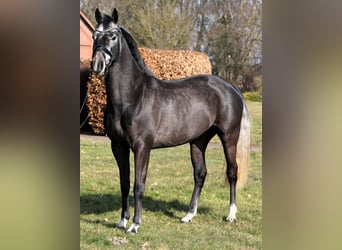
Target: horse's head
point(107, 39)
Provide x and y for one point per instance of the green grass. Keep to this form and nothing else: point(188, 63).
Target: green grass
point(168, 191)
point(253, 96)
point(255, 110)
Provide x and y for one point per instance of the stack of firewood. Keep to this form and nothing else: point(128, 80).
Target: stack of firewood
point(165, 65)
point(175, 64)
point(96, 103)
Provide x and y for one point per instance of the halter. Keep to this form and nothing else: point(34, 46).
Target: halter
point(102, 48)
point(107, 30)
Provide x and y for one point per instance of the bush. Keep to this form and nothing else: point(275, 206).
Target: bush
point(252, 96)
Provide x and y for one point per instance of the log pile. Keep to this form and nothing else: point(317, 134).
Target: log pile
point(165, 65)
point(96, 103)
point(175, 64)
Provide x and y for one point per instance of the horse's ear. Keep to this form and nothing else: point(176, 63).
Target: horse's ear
point(98, 16)
point(115, 15)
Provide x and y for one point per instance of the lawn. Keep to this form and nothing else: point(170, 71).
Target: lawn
point(168, 191)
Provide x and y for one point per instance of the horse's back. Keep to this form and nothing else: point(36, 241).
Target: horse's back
point(206, 93)
point(205, 84)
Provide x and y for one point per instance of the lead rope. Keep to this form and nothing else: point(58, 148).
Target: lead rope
point(84, 102)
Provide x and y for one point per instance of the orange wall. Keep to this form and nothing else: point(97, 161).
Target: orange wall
point(86, 41)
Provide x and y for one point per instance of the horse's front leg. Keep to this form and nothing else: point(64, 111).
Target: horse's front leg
point(141, 159)
point(121, 154)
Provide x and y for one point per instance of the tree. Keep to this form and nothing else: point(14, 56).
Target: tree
point(161, 24)
point(228, 31)
point(235, 41)
point(153, 23)
point(89, 6)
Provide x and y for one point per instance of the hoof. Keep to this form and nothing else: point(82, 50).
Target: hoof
point(122, 224)
point(230, 220)
point(232, 214)
point(187, 218)
point(133, 229)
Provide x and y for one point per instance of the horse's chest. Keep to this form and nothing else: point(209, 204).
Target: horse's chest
point(119, 124)
point(113, 126)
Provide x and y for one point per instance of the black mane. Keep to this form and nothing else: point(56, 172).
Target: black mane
point(135, 52)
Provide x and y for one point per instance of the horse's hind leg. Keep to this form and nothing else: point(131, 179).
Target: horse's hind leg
point(198, 148)
point(229, 142)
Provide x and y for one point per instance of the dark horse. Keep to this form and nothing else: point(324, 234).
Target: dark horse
point(144, 113)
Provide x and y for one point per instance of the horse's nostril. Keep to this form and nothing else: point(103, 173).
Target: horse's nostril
point(98, 63)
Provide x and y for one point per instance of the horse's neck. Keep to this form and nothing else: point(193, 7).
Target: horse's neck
point(125, 80)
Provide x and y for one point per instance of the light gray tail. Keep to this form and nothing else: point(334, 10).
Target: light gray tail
point(243, 148)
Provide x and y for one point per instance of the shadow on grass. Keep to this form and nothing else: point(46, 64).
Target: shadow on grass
point(101, 203)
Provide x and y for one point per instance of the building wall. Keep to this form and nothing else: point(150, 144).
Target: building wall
point(86, 41)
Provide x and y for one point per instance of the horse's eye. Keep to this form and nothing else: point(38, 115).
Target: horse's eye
point(112, 36)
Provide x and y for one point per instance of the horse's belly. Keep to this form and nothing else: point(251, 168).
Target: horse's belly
point(181, 130)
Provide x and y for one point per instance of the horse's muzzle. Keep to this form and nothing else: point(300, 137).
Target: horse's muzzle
point(98, 63)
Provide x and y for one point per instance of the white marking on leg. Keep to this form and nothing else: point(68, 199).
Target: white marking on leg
point(133, 228)
point(232, 213)
point(188, 217)
point(123, 223)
